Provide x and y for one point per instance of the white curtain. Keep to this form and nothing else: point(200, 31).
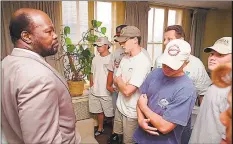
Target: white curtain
point(137, 15)
point(52, 8)
point(197, 31)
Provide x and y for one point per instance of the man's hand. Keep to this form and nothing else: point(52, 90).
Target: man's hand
point(116, 79)
point(144, 125)
point(142, 101)
point(223, 141)
point(116, 64)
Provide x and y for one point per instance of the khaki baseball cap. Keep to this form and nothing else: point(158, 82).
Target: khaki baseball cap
point(127, 33)
point(222, 46)
point(102, 41)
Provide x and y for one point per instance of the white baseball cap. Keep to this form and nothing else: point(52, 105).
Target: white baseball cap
point(102, 41)
point(176, 53)
point(222, 46)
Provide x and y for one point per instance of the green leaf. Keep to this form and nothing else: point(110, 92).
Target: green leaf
point(70, 48)
point(91, 38)
point(86, 53)
point(66, 30)
point(98, 24)
point(68, 41)
point(93, 22)
point(103, 30)
point(95, 38)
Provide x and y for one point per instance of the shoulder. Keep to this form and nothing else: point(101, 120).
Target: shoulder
point(188, 82)
point(186, 85)
point(156, 73)
point(196, 61)
point(143, 58)
point(95, 58)
point(220, 91)
point(118, 50)
point(33, 71)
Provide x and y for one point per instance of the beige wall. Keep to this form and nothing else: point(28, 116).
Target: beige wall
point(218, 24)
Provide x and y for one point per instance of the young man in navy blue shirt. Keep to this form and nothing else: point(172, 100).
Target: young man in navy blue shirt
point(168, 97)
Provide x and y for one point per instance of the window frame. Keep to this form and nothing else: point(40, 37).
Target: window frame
point(165, 24)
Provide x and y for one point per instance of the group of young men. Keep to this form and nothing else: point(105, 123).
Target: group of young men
point(156, 106)
point(151, 106)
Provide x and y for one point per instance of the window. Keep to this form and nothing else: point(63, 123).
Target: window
point(158, 19)
point(75, 15)
point(103, 13)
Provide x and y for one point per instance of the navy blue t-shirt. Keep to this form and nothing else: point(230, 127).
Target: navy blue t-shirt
point(173, 98)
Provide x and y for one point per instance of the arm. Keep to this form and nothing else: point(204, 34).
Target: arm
point(39, 111)
point(110, 82)
point(202, 81)
point(140, 114)
point(156, 120)
point(92, 71)
point(138, 75)
point(143, 123)
point(200, 99)
point(126, 89)
point(91, 79)
point(223, 141)
point(177, 112)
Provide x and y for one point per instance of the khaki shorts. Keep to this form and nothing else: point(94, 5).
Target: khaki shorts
point(99, 104)
point(126, 126)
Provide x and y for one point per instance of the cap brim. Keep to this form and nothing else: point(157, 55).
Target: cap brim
point(173, 63)
point(219, 50)
point(121, 39)
point(101, 44)
point(98, 44)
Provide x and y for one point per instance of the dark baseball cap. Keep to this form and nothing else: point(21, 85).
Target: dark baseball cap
point(118, 30)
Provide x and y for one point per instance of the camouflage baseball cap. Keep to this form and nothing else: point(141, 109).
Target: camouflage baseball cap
point(102, 41)
point(127, 33)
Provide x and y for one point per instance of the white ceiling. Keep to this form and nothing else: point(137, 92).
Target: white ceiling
point(200, 4)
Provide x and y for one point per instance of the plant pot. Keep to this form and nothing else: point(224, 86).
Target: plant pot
point(76, 88)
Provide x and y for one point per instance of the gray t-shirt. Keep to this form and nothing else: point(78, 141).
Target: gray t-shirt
point(173, 98)
point(208, 128)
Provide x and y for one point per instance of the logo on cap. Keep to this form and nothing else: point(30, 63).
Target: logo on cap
point(122, 31)
point(223, 41)
point(119, 30)
point(173, 50)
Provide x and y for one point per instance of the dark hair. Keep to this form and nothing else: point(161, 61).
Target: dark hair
point(139, 39)
point(18, 24)
point(178, 29)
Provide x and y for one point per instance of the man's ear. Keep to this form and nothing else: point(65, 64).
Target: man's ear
point(26, 37)
point(135, 40)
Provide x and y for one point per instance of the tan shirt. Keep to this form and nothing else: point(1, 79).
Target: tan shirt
point(36, 104)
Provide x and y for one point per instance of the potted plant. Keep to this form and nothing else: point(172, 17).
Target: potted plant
point(77, 58)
